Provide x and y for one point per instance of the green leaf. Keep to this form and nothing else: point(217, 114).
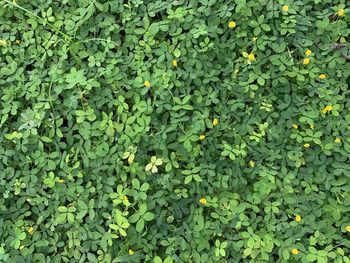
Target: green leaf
point(148, 216)
point(140, 225)
point(177, 52)
point(62, 209)
point(188, 179)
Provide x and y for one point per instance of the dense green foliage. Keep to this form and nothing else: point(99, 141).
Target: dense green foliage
point(174, 131)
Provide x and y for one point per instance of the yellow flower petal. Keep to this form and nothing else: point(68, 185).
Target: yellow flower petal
point(131, 252)
point(347, 228)
point(202, 137)
point(285, 8)
point(203, 201)
point(295, 126)
point(306, 145)
point(308, 52)
point(341, 12)
point(251, 57)
point(147, 83)
point(297, 218)
point(322, 76)
point(215, 122)
point(337, 140)
point(306, 61)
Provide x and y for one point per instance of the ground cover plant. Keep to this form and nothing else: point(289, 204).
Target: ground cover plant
point(174, 131)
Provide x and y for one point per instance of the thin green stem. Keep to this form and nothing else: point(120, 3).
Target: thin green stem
point(42, 20)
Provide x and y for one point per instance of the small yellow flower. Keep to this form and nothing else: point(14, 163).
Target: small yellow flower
point(295, 251)
point(295, 126)
point(232, 24)
point(131, 252)
point(312, 126)
point(306, 61)
point(347, 228)
point(285, 8)
point(341, 12)
point(306, 145)
point(30, 230)
point(174, 63)
point(251, 163)
point(202, 137)
point(327, 109)
point(254, 39)
point(215, 122)
point(147, 84)
point(297, 218)
point(61, 181)
point(322, 76)
point(308, 52)
point(203, 201)
point(18, 41)
point(125, 198)
point(251, 57)
point(337, 140)
point(3, 42)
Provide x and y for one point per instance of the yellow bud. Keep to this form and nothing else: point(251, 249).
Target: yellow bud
point(285, 8)
point(308, 52)
point(295, 251)
point(306, 145)
point(174, 63)
point(322, 76)
point(131, 252)
point(295, 126)
point(147, 84)
point(30, 230)
point(297, 218)
point(202, 137)
point(215, 122)
point(337, 140)
point(232, 24)
point(252, 163)
point(60, 181)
